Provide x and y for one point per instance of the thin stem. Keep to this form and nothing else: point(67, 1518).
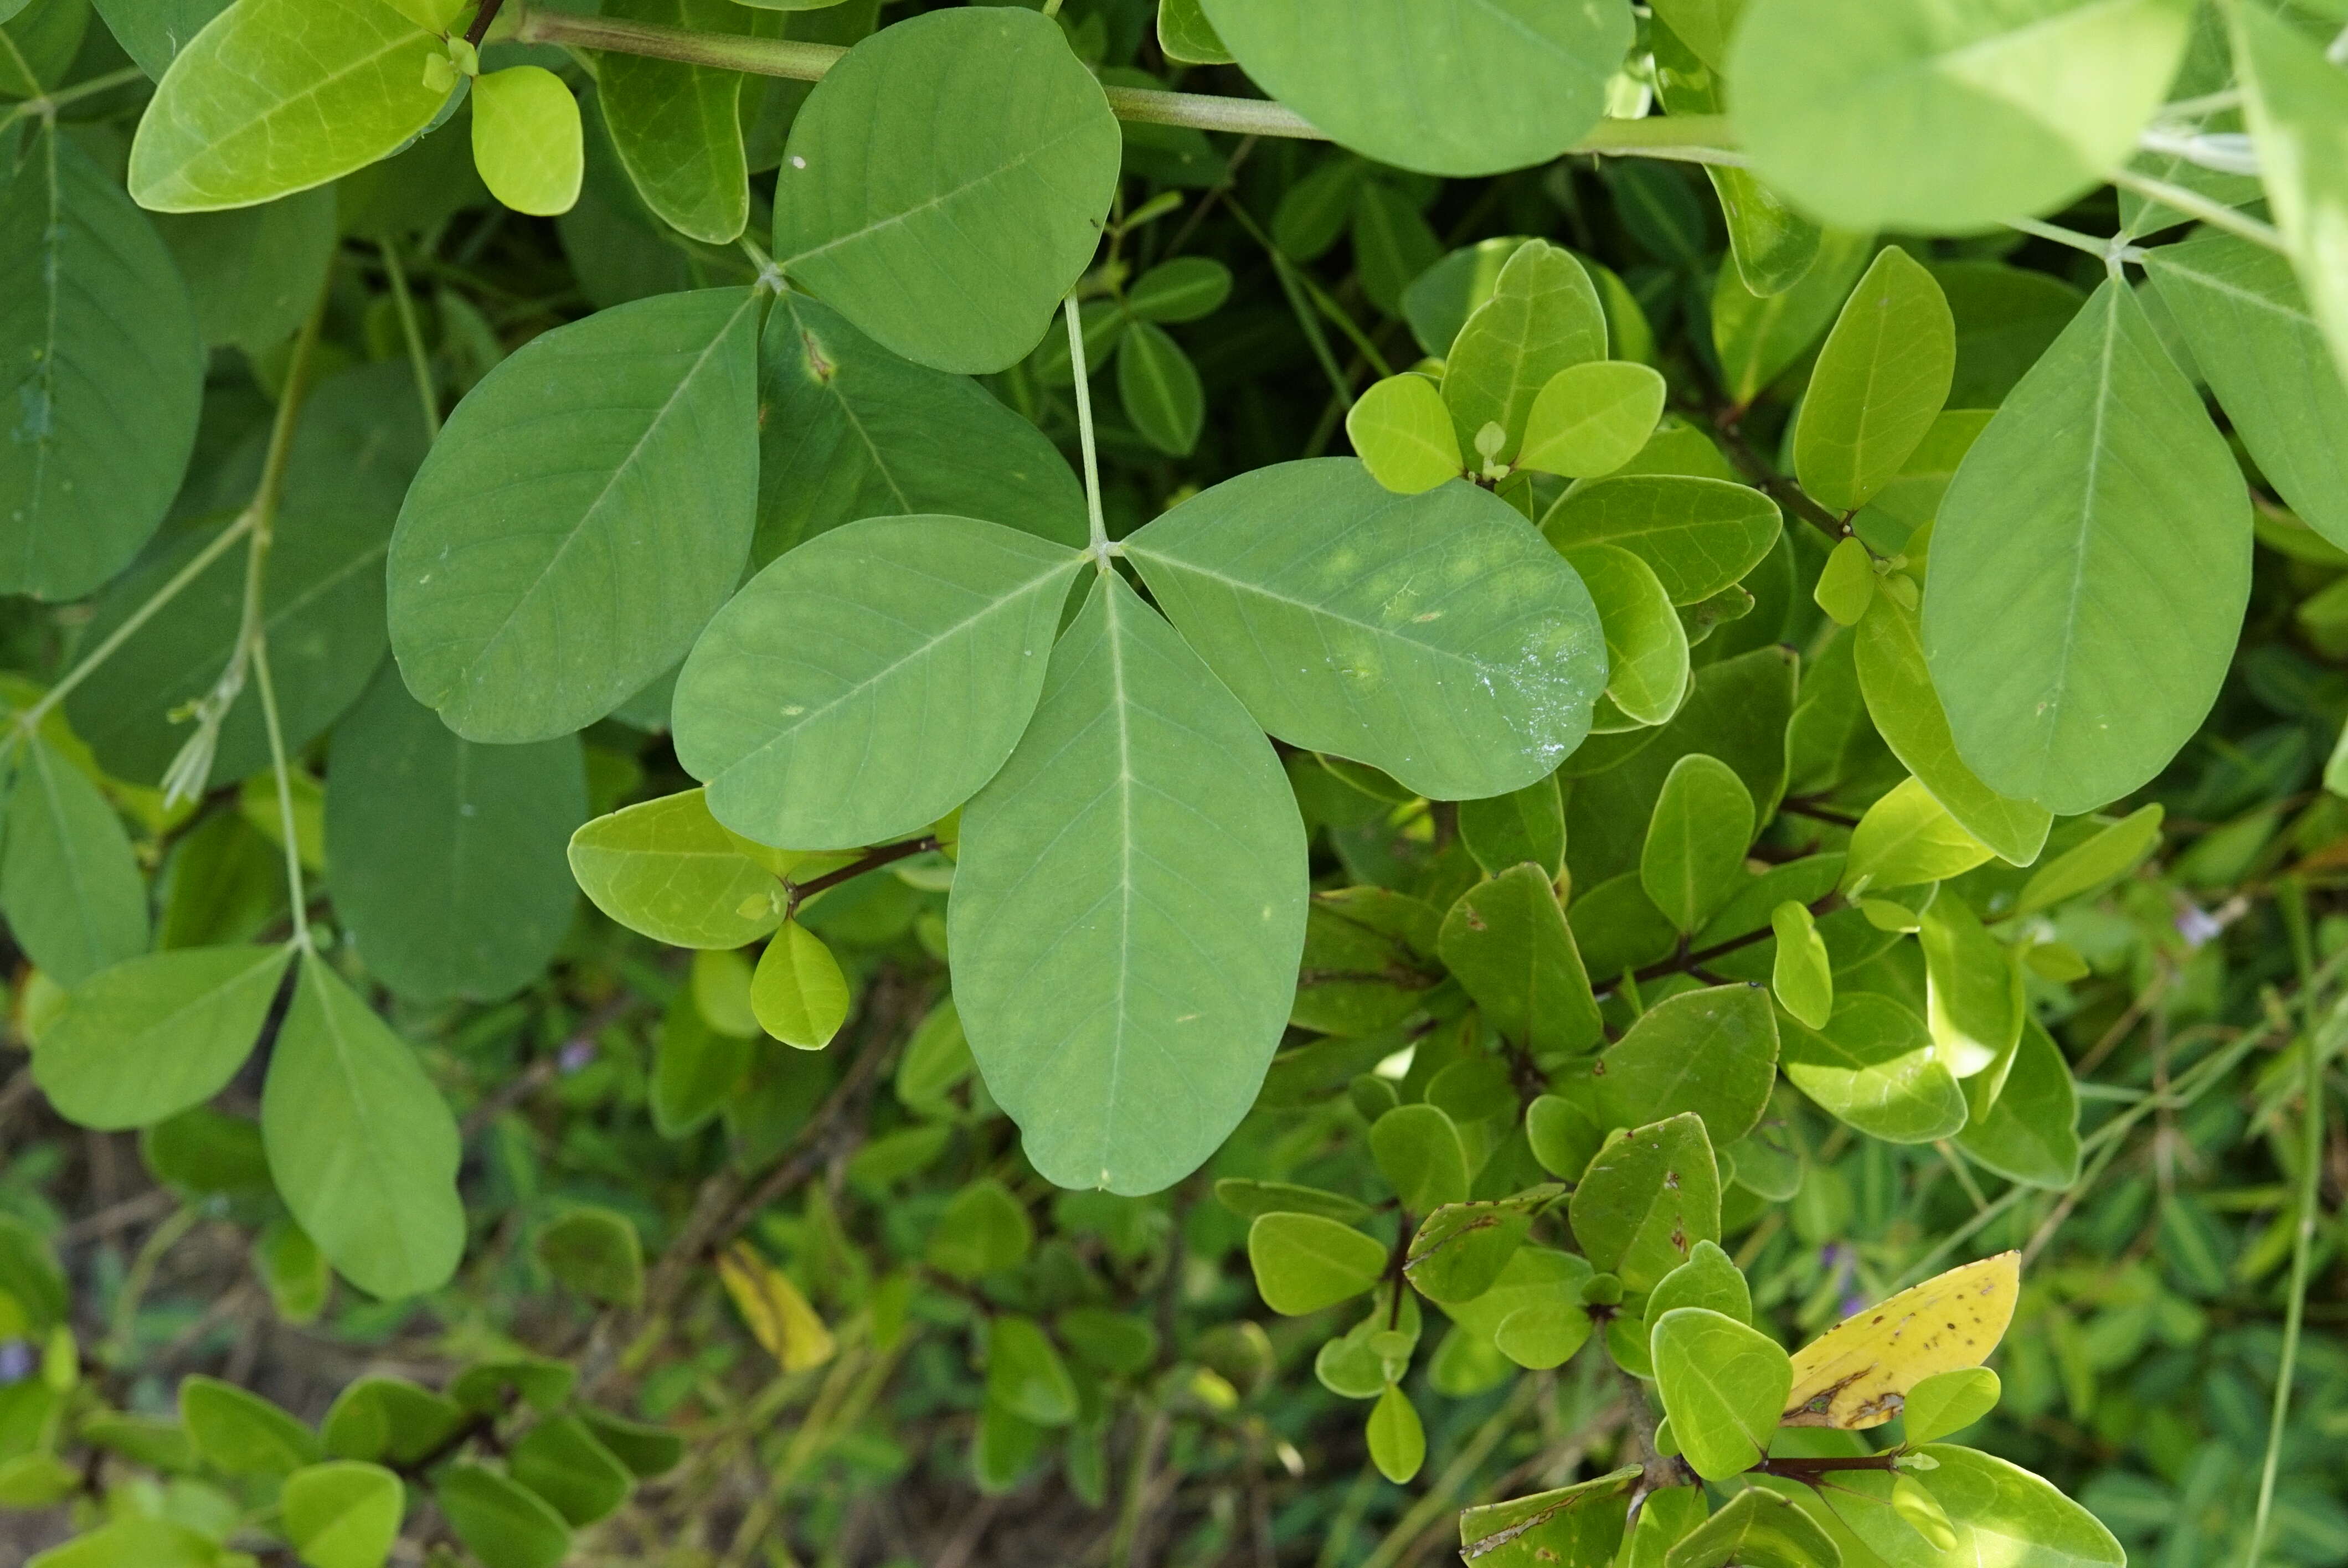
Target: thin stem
point(800, 892)
point(2098, 249)
point(48, 104)
point(2193, 204)
point(285, 792)
point(1082, 375)
point(481, 28)
point(422, 363)
point(142, 1274)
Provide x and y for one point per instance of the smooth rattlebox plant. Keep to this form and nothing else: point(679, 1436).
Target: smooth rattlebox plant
point(1378, 679)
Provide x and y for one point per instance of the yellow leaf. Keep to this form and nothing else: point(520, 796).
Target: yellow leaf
point(1858, 1373)
point(775, 1310)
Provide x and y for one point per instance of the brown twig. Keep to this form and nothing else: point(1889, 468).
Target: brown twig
point(872, 860)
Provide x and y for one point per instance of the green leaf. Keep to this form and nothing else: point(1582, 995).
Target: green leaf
point(564, 1461)
point(1973, 994)
point(848, 430)
point(1402, 434)
point(1874, 1066)
point(527, 138)
point(1397, 1441)
point(277, 96)
point(2297, 105)
point(2087, 867)
point(1128, 909)
point(1698, 535)
point(69, 883)
point(1760, 336)
point(238, 1433)
point(1187, 38)
point(721, 993)
point(1543, 317)
point(696, 1069)
point(595, 1252)
point(384, 1418)
point(1755, 1529)
point(1574, 1524)
point(1412, 83)
point(1905, 114)
point(2003, 1514)
point(501, 1521)
point(154, 1035)
point(1589, 419)
point(1880, 382)
point(1707, 1279)
point(1184, 289)
point(667, 868)
point(1523, 825)
point(1905, 838)
point(798, 993)
point(358, 444)
point(1248, 1198)
point(1507, 942)
point(97, 324)
point(134, 1542)
point(983, 1231)
point(1304, 1262)
point(1365, 961)
point(676, 127)
point(1430, 636)
point(1647, 1199)
point(1460, 1250)
point(804, 701)
point(1025, 1375)
point(343, 1514)
point(253, 273)
point(151, 32)
point(362, 1147)
point(2006, 317)
point(1393, 243)
point(1897, 684)
point(954, 251)
point(1722, 1385)
point(1711, 1053)
point(1693, 855)
point(1773, 245)
point(646, 1450)
point(204, 1152)
point(556, 552)
point(1533, 1313)
point(447, 857)
point(1159, 388)
point(2255, 338)
point(2031, 1134)
point(1947, 1402)
point(2089, 570)
point(1800, 975)
point(1418, 1152)
point(1646, 640)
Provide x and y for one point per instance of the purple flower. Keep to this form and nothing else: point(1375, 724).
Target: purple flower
point(2196, 925)
point(575, 1057)
point(15, 1361)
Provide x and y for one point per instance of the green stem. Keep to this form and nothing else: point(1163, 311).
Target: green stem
point(300, 902)
point(417, 359)
point(47, 105)
point(1081, 375)
point(142, 1274)
point(2099, 249)
point(2193, 204)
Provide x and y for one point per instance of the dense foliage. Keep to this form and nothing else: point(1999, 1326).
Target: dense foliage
point(1349, 774)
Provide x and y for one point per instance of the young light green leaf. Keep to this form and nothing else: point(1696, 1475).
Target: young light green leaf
point(1948, 1402)
point(1418, 1152)
point(596, 1252)
point(554, 555)
point(1159, 388)
point(953, 251)
point(2110, 854)
point(343, 1514)
point(446, 857)
point(1755, 1529)
point(1873, 1065)
point(1646, 1199)
point(1402, 433)
point(69, 883)
point(1397, 1442)
point(1881, 381)
point(1589, 419)
point(1693, 855)
point(1722, 1385)
point(96, 324)
point(798, 993)
point(1908, 837)
point(527, 141)
point(157, 1034)
point(1894, 115)
point(1304, 1262)
point(242, 116)
point(1430, 636)
point(1897, 684)
point(1024, 1374)
point(2031, 1134)
point(1800, 975)
point(500, 1520)
point(2003, 1514)
point(1709, 1279)
point(1507, 942)
point(1409, 82)
point(362, 1147)
point(1760, 336)
point(1128, 909)
point(1773, 246)
point(1513, 829)
point(1543, 317)
point(1712, 1052)
point(805, 702)
point(1700, 536)
point(667, 868)
point(2297, 104)
point(1461, 1249)
point(2089, 570)
point(676, 127)
point(1646, 640)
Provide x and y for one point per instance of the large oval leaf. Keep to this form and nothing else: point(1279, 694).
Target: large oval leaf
point(156, 1034)
point(1442, 86)
point(869, 681)
point(1130, 908)
point(2297, 105)
point(585, 510)
point(277, 96)
point(97, 336)
point(1698, 535)
point(951, 246)
point(1432, 636)
point(2089, 570)
point(1874, 1067)
point(1880, 380)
